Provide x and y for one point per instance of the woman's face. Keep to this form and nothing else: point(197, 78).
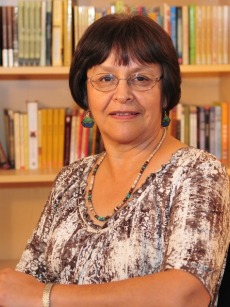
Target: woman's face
point(125, 115)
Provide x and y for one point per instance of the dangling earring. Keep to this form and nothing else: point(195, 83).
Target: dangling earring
point(88, 121)
point(165, 119)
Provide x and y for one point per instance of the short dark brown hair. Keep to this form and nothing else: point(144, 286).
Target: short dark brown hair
point(135, 37)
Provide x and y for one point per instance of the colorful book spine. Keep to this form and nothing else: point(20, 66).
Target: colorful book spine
point(32, 110)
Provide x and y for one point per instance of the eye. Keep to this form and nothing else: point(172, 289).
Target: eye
point(106, 78)
point(140, 79)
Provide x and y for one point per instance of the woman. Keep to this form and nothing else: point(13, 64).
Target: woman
point(146, 223)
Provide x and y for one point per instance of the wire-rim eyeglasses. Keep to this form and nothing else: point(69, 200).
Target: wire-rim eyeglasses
point(105, 82)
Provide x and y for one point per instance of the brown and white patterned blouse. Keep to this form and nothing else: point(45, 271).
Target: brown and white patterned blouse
point(178, 219)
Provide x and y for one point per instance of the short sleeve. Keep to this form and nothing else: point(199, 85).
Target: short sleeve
point(199, 227)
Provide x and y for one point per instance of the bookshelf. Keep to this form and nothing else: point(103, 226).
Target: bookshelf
point(23, 193)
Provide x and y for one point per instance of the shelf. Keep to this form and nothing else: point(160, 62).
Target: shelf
point(28, 72)
point(27, 176)
point(50, 71)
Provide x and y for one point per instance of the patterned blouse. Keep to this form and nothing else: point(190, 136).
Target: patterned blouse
point(178, 219)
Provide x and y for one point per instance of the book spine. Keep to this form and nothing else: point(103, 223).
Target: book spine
point(4, 164)
point(15, 37)
point(67, 140)
point(37, 32)
point(4, 37)
point(57, 33)
point(192, 34)
point(67, 29)
point(43, 34)
point(32, 110)
point(48, 32)
point(185, 33)
point(17, 140)
point(31, 34)
point(61, 135)
point(10, 35)
point(225, 135)
point(21, 33)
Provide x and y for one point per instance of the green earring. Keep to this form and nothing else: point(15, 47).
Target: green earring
point(87, 121)
point(165, 119)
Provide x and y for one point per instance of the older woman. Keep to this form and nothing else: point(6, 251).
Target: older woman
point(146, 222)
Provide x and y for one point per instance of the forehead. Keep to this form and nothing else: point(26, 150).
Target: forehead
point(112, 64)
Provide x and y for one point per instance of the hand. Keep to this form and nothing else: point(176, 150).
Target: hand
point(19, 289)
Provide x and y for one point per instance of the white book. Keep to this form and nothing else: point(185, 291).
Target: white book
point(32, 110)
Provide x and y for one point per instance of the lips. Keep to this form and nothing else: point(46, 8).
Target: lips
point(128, 113)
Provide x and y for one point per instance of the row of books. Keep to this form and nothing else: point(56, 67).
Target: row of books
point(46, 138)
point(49, 138)
point(44, 32)
point(205, 127)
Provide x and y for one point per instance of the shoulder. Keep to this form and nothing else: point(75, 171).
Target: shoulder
point(70, 179)
point(198, 160)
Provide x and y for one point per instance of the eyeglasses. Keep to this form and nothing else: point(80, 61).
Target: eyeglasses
point(105, 82)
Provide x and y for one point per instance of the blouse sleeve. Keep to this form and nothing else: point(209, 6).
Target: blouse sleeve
point(199, 230)
point(33, 259)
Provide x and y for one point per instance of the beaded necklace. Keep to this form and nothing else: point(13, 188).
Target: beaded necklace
point(128, 195)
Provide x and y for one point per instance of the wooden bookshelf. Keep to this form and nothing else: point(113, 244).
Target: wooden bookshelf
point(23, 193)
point(30, 72)
point(27, 176)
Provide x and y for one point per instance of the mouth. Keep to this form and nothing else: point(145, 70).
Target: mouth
point(123, 114)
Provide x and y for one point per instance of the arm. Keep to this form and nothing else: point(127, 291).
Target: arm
point(172, 288)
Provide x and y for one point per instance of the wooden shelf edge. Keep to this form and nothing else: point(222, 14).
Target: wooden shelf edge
point(27, 176)
point(30, 71)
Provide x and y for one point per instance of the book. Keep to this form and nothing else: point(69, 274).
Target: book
point(225, 131)
point(9, 135)
point(48, 32)
point(55, 139)
point(15, 37)
point(31, 34)
point(44, 138)
point(67, 32)
point(4, 163)
point(17, 140)
point(179, 34)
point(225, 19)
point(49, 143)
point(67, 137)
point(217, 131)
point(57, 33)
point(214, 30)
point(37, 32)
point(4, 37)
point(32, 110)
point(207, 127)
point(193, 125)
point(22, 136)
point(1, 36)
point(10, 35)
point(21, 33)
point(185, 35)
point(192, 34)
point(173, 25)
point(208, 34)
point(61, 136)
point(201, 127)
point(43, 34)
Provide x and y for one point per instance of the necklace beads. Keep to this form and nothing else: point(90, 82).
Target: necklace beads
point(129, 194)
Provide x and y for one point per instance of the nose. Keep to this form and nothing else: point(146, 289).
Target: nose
point(123, 92)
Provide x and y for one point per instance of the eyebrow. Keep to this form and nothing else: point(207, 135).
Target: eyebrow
point(133, 70)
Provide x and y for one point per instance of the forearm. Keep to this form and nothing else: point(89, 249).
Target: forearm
point(166, 289)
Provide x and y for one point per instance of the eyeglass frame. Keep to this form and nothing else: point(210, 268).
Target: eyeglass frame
point(156, 80)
